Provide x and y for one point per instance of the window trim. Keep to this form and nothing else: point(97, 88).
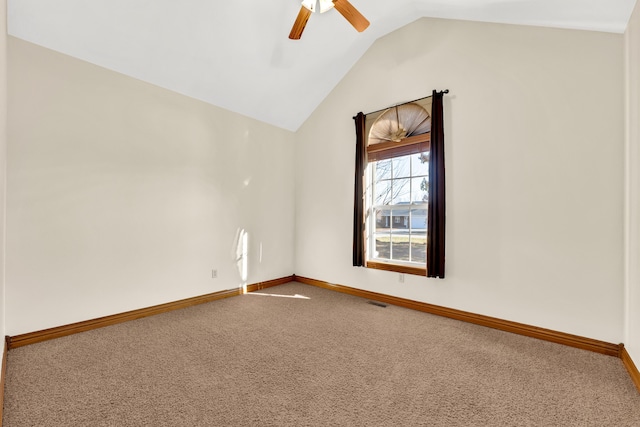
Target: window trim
point(397, 268)
point(409, 145)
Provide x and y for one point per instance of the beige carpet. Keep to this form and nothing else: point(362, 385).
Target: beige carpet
point(307, 356)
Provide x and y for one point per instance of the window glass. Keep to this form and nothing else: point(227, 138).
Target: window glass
point(419, 247)
point(401, 191)
point(420, 164)
point(383, 169)
point(382, 190)
point(401, 167)
point(382, 248)
point(419, 190)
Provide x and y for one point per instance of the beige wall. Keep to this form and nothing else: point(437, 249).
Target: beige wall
point(534, 155)
point(122, 195)
point(632, 242)
point(3, 153)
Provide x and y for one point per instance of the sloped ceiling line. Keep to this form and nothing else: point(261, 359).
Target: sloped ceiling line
point(236, 54)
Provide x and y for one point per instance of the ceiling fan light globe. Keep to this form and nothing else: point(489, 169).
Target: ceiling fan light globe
point(326, 5)
point(310, 4)
point(318, 5)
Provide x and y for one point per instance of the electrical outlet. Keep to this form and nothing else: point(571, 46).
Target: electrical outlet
point(214, 274)
point(401, 278)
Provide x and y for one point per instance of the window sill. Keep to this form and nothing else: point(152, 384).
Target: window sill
point(418, 271)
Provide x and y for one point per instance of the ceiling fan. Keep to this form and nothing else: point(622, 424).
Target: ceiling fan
point(345, 8)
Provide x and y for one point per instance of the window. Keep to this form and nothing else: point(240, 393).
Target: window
point(397, 193)
point(397, 187)
point(399, 208)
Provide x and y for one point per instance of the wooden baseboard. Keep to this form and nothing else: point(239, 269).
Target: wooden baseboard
point(631, 367)
point(478, 319)
point(491, 322)
point(617, 350)
point(270, 283)
point(3, 376)
point(74, 328)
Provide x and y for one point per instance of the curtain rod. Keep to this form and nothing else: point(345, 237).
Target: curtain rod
point(402, 103)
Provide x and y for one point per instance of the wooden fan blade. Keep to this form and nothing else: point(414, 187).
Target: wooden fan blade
point(351, 14)
point(301, 22)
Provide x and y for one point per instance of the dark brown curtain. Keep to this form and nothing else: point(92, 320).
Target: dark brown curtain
point(358, 197)
point(436, 209)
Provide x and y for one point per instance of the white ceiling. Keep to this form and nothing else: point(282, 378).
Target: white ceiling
point(236, 54)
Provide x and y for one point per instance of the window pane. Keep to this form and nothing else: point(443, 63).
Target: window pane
point(400, 219)
point(383, 219)
point(400, 246)
point(383, 169)
point(401, 167)
point(419, 248)
point(382, 246)
point(420, 164)
point(418, 219)
point(419, 190)
point(382, 193)
point(401, 191)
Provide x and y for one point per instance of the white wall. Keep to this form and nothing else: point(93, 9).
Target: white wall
point(632, 242)
point(122, 195)
point(534, 129)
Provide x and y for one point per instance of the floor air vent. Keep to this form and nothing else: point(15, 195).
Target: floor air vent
point(379, 304)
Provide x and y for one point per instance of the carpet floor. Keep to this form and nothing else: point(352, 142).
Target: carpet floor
point(298, 355)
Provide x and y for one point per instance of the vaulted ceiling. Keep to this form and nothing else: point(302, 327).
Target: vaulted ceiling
point(236, 54)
